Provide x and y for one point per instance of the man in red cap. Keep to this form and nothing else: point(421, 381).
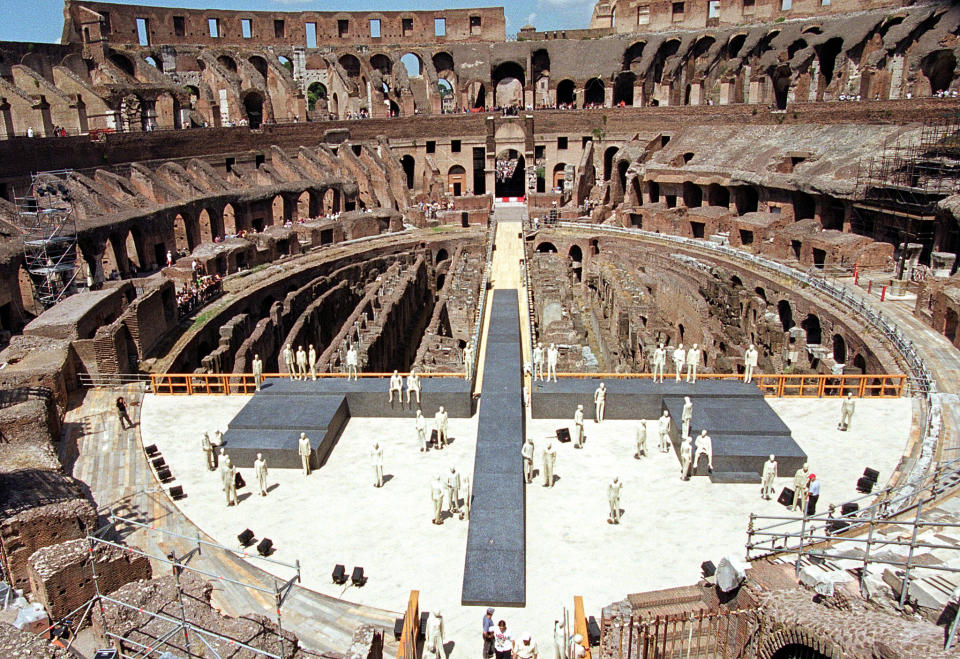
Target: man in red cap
point(814, 493)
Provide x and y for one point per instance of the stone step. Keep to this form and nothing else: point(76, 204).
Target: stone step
point(734, 477)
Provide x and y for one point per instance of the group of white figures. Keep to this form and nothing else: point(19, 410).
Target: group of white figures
point(228, 472)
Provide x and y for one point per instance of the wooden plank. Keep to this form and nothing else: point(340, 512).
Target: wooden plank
point(580, 624)
point(411, 628)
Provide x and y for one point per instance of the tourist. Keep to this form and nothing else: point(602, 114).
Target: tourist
point(125, 421)
point(488, 634)
point(813, 490)
point(526, 648)
point(502, 641)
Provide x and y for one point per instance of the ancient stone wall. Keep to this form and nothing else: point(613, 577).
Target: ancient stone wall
point(61, 577)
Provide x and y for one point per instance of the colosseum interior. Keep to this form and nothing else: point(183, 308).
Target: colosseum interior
point(768, 190)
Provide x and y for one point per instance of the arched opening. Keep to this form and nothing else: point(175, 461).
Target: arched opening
point(540, 62)
point(594, 247)
point(566, 93)
point(781, 85)
point(939, 66)
point(667, 49)
point(185, 237)
point(123, 63)
point(151, 60)
point(315, 92)
point(408, 164)
point(547, 248)
point(761, 293)
point(796, 46)
point(559, 175)
point(413, 65)
point(228, 63)
point(259, 64)
point(950, 322)
point(859, 364)
point(277, 214)
point(444, 88)
point(508, 80)
point(331, 201)
point(653, 189)
point(746, 200)
point(394, 109)
point(839, 349)
point(608, 161)
point(593, 93)
point(827, 54)
point(736, 282)
point(623, 88)
point(804, 206)
point(632, 56)
point(456, 180)
point(381, 63)
point(478, 92)
point(303, 206)
point(622, 167)
point(785, 312)
point(575, 261)
point(735, 44)
point(253, 108)
point(798, 651)
point(811, 325)
point(441, 256)
point(210, 226)
point(510, 165)
point(350, 64)
point(229, 220)
point(692, 195)
point(285, 63)
point(133, 245)
point(443, 61)
point(718, 195)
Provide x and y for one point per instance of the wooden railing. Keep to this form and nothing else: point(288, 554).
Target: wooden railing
point(411, 628)
point(243, 383)
point(580, 624)
point(788, 385)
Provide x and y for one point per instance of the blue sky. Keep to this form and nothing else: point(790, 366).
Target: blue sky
point(42, 20)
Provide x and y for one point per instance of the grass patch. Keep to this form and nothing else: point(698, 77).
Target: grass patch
point(202, 319)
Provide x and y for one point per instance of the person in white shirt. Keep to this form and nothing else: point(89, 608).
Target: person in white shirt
point(526, 648)
point(502, 641)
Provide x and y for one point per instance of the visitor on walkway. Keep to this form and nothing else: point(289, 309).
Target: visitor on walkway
point(488, 640)
point(125, 421)
point(503, 641)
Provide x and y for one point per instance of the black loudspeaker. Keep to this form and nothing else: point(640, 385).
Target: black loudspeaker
point(357, 578)
point(265, 547)
point(245, 538)
point(339, 575)
point(708, 569)
point(176, 492)
point(151, 450)
point(563, 435)
point(105, 654)
point(593, 631)
point(424, 615)
point(398, 628)
point(865, 485)
point(159, 463)
point(849, 508)
point(786, 497)
point(163, 473)
point(872, 474)
point(434, 437)
point(238, 480)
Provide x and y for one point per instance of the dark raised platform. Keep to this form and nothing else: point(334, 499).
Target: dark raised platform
point(271, 422)
point(494, 570)
point(744, 428)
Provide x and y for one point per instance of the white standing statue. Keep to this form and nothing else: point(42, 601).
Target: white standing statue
point(440, 425)
point(679, 359)
point(801, 483)
point(749, 363)
point(578, 427)
point(305, 451)
point(466, 493)
point(207, 448)
point(613, 497)
point(312, 361)
point(433, 643)
point(686, 457)
point(538, 362)
point(436, 497)
point(353, 360)
point(659, 361)
point(453, 489)
point(396, 385)
point(846, 412)
point(704, 447)
point(376, 459)
point(641, 439)
point(693, 361)
point(260, 471)
point(685, 416)
point(289, 360)
point(549, 462)
point(600, 402)
point(663, 427)
point(229, 475)
point(421, 431)
point(553, 354)
point(526, 453)
point(257, 371)
point(301, 363)
point(222, 465)
point(413, 384)
point(468, 361)
point(769, 474)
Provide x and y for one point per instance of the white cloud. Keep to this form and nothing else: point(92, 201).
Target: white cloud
point(531, 17)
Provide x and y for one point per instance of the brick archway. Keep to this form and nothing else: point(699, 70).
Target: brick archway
point(796, 635)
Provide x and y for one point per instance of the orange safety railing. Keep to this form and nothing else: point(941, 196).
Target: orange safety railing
point(411, 628)
point(580, 624)
point(788, 385)
point(243, 383)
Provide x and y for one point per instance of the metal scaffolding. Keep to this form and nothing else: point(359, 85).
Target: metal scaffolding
point(182, 634)
point(48, 228)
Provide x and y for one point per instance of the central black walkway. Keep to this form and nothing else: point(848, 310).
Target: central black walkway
point(494, 570)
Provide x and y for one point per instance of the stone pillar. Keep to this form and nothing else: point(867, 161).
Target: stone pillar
point(725, 89)
point(696, 90)
point(754, 92)
point(638, 94)
point(847, 216)
point(489, 174)
point(608, 96)
point(6, 119)
point(81, 109)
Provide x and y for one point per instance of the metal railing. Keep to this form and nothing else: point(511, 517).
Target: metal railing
point(693, 635)
point(482, 302)
point(790, 385)
point(245, 383)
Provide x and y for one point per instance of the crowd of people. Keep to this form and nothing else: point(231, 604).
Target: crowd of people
point(431, 208)
point(197, 293)
point(506, 169)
